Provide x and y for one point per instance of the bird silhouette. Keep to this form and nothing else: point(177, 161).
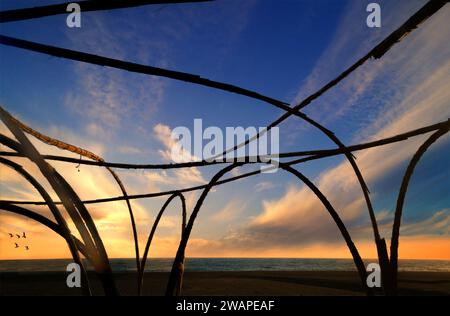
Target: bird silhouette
point(18, 236)
point(11, 235)
point(26, 248)
point(24, 236)
point(17, 246)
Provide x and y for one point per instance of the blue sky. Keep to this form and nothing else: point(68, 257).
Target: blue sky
point(284, 49)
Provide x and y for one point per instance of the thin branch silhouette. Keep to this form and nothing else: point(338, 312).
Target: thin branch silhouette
point(86, 6)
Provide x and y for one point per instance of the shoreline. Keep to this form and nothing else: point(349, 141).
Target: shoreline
point(229, 283)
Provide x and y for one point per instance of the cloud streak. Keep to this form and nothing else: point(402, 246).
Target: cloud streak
point(107, 99)
point(185, 176)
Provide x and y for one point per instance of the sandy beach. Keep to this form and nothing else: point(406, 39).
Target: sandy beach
point(255, 283)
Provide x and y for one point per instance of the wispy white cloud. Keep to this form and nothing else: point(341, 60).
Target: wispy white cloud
point(185, 176)
point(264, 185)
point(130, 150)
point(173, 151)
point(108, 99)
point(437, 224)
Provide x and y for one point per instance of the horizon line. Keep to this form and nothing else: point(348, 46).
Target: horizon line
point(312, 258)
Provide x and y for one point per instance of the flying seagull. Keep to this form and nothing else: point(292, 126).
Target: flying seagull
point(26, 248)
point(11, 235)
point(24, 236)
point(17, 246)
point(18, 236)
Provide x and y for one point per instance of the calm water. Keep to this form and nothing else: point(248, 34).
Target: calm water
point(226, 264)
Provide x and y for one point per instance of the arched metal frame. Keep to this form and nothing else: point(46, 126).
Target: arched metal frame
point(92, 245)
point(183, 243)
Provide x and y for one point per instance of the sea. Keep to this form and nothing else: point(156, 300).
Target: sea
point(225, 264)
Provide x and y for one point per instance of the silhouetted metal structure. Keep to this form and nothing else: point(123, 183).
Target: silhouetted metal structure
point(91, 245)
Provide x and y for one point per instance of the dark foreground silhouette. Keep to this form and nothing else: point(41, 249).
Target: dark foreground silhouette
point(229, 283)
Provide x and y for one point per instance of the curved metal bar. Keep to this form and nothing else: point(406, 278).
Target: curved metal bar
point(401, 200)
point(383, 257)
point(338, 221)
point(131, 214)
point(175, 272)
point(86, 6)
point(153, 230)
